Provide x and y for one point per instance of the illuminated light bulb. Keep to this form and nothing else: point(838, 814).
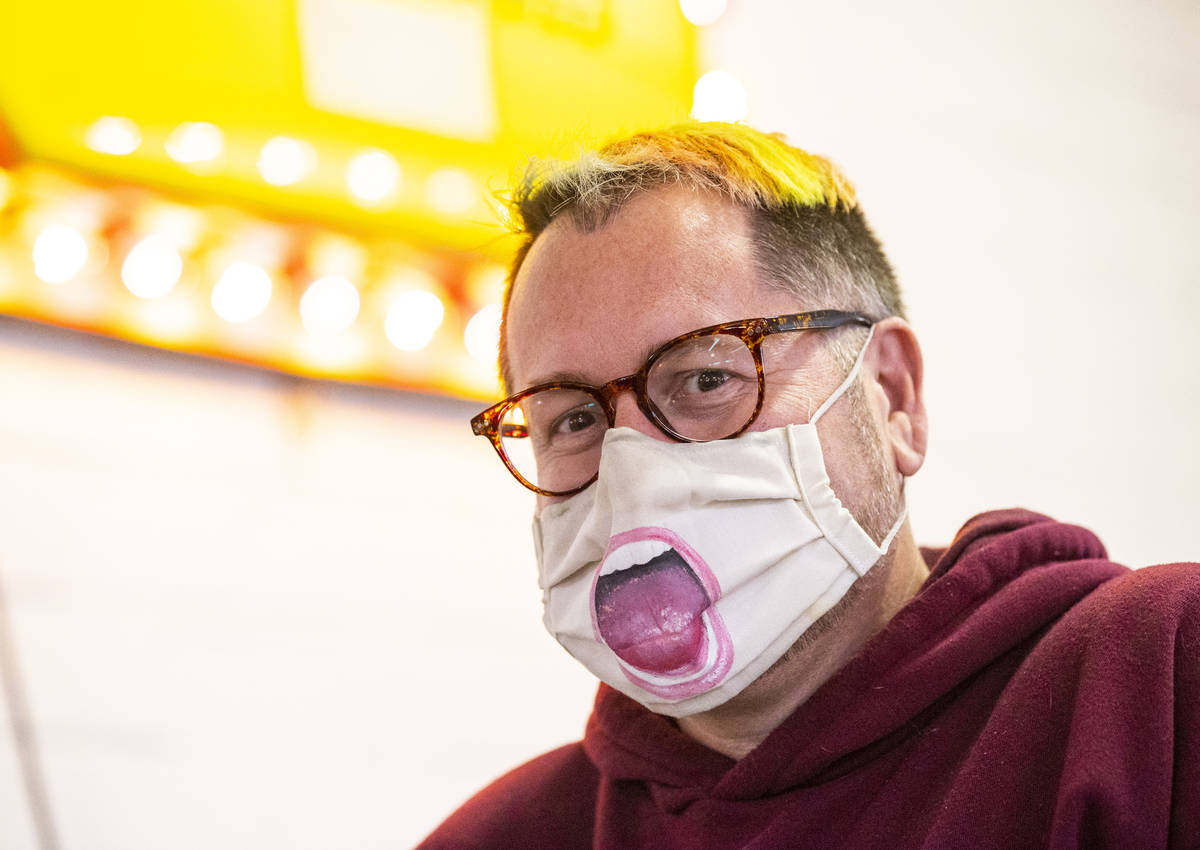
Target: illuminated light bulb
point(413, 318)
point(373, 177)
point(59, 253)
point(450, 191)
point(195, 142)
point(718, 96)
point(152, 267)
point(330, 304)
point(284, 161)
point(702, 12)
point(242, 293)
point(482, 335)
point(113, 135)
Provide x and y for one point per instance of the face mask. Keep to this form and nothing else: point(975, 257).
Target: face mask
point(688, 569)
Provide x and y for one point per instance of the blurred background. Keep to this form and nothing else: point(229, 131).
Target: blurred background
point(260, 586)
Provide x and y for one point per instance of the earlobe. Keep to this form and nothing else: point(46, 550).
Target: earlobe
point(899, 375)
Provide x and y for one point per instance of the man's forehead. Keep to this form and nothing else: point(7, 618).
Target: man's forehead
point(672, 260)
point(653, 229)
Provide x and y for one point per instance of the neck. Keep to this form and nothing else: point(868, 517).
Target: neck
point(741, 724)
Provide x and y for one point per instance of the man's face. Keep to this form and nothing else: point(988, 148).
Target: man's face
point(591, 307)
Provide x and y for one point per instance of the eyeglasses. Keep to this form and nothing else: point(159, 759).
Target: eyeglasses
point(704, 385)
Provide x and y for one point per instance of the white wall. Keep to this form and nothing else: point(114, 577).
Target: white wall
point(1031, 168)
point(255, 612)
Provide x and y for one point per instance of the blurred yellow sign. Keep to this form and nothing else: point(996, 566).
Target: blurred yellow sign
point(394, 115)
point(304, 185)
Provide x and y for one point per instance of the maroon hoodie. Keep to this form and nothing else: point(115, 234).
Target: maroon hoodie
point(1032, 694)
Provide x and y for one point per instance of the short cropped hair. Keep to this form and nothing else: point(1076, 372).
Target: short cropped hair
point(810, 236)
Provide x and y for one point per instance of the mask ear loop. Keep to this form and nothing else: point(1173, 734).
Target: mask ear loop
point(886, 543)
point(846, 383)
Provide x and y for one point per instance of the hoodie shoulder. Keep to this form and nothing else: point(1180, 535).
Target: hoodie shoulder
point(546, 802)
point(1163, 598)
point(1132, 648)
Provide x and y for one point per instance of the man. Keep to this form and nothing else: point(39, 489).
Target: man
point(717, 399)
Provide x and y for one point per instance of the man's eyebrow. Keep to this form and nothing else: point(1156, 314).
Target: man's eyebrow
point(564, 377)
point(567, 376)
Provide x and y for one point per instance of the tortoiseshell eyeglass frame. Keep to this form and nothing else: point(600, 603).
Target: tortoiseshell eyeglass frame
point(750, 331)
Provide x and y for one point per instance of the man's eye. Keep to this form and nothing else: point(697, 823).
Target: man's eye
point(700, 381)
point(574, 421)
point(706, 380)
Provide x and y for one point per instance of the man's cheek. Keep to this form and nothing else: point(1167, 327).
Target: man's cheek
point(791, 404)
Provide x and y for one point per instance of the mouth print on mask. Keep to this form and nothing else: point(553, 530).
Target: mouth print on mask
point(653, 604)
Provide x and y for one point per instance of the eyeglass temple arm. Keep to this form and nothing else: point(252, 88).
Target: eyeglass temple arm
point(818, 320)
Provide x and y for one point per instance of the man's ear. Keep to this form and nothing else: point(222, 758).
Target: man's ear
point(897, 395)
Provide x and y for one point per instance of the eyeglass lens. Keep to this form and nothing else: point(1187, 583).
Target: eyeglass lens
point(704, 388)
point(564, 429)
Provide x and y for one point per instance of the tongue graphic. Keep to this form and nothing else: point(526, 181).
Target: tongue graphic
point(649, 614)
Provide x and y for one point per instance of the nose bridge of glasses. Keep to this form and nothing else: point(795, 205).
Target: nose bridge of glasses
point(613, 388)
point(646, 419)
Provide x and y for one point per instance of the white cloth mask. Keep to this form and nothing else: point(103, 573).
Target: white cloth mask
point(688, 569)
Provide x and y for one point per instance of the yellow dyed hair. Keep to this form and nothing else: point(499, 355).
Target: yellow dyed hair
point(810, 235)
point(754, 169)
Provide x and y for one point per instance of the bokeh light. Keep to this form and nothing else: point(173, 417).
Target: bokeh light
point(329, 305)
point(373, 177)
point(113, 135)
point(59, 253)
point(482, 335)
point(195, 142)
point(719, 96)
point(242, 293)
point(284, 161)
point(413, 318)
point(702, 12)
point(152, 267)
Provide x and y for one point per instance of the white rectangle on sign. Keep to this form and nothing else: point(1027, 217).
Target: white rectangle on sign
point(409, 63)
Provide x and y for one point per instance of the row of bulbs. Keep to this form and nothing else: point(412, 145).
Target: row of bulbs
point(329, 305)
point(373, 177)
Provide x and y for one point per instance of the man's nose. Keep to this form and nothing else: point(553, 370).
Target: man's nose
point(629, 415)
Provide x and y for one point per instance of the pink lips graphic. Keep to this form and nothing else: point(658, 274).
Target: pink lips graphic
point(659, 617)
